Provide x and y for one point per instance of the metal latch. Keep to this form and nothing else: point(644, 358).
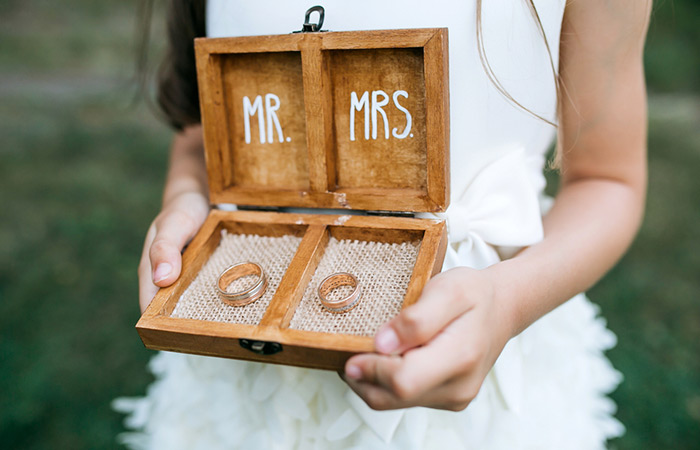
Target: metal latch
point(261, 347)
point(310, 27)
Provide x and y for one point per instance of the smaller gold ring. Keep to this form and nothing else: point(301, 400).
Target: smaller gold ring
point(246, 296)
point(333, 282)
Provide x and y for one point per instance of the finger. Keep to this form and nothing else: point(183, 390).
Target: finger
point(454, 395)
point(441, 301)
point(387, 373)
point(373, 368)
point(418, 372)
point(453, 353)
point(173, 231)
point(376, 397)
point(147, 290)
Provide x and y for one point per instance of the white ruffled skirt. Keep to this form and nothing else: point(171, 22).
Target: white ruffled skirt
point(546, 391)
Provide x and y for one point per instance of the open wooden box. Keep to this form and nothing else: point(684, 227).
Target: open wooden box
point(347, 120)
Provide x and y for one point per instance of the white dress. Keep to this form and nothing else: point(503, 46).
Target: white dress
point(548, 388)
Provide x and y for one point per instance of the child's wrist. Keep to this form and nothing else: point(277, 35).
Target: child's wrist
point(187, 194)
point(505, 299)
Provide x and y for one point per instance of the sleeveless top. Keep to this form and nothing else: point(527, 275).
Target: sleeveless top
point(497, 150)
point(547, 389)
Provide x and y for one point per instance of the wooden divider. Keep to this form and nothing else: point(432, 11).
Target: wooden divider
point(285, 117)
point(160, 331)
point(284, 122)
point(296, 278)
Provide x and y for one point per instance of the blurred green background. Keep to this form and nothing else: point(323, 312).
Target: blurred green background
point(82, 166)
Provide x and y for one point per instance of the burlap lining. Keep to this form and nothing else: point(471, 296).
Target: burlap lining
point(383, 271)
point(201, 301)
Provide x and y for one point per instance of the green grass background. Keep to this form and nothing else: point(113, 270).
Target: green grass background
point(81, 172)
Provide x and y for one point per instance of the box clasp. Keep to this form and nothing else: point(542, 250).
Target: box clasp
point(310, 27)
point(261, 347)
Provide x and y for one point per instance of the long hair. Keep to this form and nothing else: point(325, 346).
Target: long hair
point(492, 75)
point(177, 94)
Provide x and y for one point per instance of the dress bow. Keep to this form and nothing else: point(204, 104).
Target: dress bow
point(500, 207)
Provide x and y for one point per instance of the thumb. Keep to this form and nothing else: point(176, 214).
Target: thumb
point(440, 303)
point(172, 233)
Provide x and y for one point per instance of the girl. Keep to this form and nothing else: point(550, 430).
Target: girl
point(497, 349)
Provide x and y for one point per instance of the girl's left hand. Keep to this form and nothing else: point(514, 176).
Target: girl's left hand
point(437, 352)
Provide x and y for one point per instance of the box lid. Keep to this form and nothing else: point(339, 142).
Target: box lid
point(356, 120)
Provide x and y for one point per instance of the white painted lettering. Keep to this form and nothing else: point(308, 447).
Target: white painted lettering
point(409, 119)
point(374, 106)
point(357, 105)
point(249, 110)
point(377, 107)
point(271, 116)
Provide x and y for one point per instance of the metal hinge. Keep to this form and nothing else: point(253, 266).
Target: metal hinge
point(391, 213)
point(259, 208)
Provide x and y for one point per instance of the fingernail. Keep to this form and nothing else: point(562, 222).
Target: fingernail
point(386, 340)
point(353, 372)
point(162, 272)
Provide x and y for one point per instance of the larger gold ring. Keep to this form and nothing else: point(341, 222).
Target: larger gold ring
point(333, 282)
point(248, 295)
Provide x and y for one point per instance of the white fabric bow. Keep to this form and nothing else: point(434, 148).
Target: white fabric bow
point(500, 207)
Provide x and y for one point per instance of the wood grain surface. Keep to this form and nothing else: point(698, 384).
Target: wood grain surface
point(159, 330)
point(314, 95)
point(352, 120)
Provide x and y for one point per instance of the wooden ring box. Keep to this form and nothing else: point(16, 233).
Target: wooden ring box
point(329, 120)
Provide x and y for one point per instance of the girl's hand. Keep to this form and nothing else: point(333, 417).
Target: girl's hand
point(175, 226)
point(437, 352)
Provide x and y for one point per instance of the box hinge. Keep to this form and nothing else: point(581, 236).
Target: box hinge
point(391, 213)
point(259, 208)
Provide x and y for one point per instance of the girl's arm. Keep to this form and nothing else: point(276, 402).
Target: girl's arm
point(437, 352)
point(185, 206)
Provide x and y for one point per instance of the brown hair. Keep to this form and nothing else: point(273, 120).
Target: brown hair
point(177, 95)
point(489, 70)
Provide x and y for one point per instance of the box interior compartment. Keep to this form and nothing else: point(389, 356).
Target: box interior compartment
point(338, 120)
point(264, 105)
point(272, 247)
point(381, 259)
point(379, 117)
point(382, 262)
point(392, 258)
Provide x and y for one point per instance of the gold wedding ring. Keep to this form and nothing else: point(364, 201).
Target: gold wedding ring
point(333, 282)
point(248, 295)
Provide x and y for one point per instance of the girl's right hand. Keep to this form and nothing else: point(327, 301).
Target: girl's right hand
point(172, 229)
